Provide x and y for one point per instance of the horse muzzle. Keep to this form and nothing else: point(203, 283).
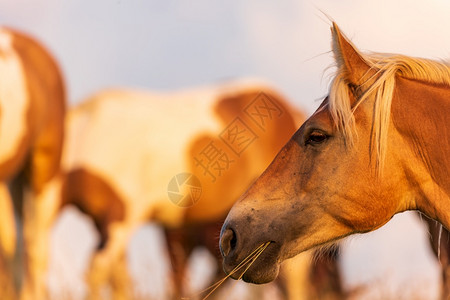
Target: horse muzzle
point(252, 260)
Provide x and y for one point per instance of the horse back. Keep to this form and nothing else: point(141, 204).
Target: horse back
point(256, 123)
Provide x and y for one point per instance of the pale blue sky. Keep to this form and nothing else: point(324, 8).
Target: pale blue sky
point(175, 44)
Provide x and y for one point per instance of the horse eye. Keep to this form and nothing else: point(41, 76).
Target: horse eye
point(316, 137)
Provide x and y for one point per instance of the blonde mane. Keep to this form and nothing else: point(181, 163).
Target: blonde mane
point(380, 86)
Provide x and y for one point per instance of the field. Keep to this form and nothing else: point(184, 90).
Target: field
point(375, 267)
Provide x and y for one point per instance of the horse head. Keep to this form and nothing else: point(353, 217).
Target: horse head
point(348, 169)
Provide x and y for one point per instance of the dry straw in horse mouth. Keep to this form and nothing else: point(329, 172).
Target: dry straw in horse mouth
point(246, 262)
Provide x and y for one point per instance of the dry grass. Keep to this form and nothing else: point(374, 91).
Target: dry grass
point(382, 291)
point(242, 291)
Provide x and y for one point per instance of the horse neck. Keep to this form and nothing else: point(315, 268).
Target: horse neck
point(420, 114)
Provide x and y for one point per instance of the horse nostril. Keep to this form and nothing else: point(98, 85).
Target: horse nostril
point(228, 242)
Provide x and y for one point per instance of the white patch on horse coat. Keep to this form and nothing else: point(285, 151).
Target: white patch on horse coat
point(137, 141)
point(13, 98)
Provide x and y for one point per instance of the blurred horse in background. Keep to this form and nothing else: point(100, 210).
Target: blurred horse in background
point(179, 159)
point(32, 108)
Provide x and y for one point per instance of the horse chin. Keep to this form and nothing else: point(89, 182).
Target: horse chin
point(265, 269)
point(264, 274)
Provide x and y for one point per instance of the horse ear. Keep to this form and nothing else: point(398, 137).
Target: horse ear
point(349, 58)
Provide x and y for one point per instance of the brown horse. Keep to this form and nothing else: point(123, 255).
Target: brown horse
point(126, 153)
point(32, 106)
point(377, 145)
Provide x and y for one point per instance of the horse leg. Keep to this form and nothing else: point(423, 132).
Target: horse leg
point(17, 189)
point(7, 223)
point(294, 281)
point(185, 240)
point(40, 208)
point(7, 241)
point(325, 276)
point(120, 279)
point(178, 254)
point(101, 267)
point(7, 286)
point(439, 242)
point(306, 277)
point(39, 215)
point(219, 275)
point(209, 238)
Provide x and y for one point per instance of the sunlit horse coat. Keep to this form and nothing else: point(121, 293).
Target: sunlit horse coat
point(377, 145)
point(126, 149)
point(32, 106)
